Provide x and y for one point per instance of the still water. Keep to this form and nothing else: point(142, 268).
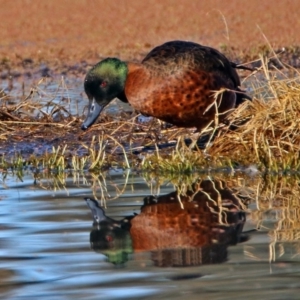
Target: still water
point(227, 237)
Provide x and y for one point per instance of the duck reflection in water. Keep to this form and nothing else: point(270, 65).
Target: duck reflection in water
point(178, 230)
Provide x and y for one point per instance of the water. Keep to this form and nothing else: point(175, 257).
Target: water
point(46, 252)
point(65, 91)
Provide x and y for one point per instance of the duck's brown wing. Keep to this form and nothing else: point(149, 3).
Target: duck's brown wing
point(172, 56)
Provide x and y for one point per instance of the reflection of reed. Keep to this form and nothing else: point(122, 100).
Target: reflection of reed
point(277, 200)
point(99, 183)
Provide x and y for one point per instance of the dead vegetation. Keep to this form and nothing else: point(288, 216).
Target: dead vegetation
point(264, 132)
point(270, 136)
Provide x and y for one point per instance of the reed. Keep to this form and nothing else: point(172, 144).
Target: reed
point(264, 133)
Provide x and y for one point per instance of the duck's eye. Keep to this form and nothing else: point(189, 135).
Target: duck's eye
point(109, 238)
point(103, 84)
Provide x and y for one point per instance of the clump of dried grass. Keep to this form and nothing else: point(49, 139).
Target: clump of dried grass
point(267, 129)
point(264, 132)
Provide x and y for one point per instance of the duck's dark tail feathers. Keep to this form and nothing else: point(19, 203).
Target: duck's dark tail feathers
point(241, 67)
point(241, 96)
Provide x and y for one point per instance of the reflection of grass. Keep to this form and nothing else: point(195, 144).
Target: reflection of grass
point(277, 200)
point(102, 185)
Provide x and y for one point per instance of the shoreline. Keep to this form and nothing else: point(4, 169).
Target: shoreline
point(67, 35)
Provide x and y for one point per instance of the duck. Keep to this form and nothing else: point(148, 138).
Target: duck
point(179, 82)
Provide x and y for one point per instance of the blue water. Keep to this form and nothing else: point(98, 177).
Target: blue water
point(45, 250)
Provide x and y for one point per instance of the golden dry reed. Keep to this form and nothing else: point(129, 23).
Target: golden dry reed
point(264, 133)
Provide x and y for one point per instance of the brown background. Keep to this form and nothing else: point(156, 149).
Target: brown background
point(76, 30)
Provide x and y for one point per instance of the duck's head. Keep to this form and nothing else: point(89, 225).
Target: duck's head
point(104, 82)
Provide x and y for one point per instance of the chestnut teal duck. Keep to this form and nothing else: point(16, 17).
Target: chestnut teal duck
point(176, 82)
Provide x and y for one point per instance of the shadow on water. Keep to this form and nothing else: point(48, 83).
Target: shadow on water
point(220, 236)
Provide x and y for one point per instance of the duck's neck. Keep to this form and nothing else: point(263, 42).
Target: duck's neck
point(134, 71)
point(138, 78)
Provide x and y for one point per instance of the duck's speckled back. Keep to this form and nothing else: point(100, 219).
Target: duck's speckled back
point(174, 56)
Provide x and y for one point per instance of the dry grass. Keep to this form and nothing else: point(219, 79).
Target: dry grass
point(269, 138)
point(264, 132)
point(271, 135)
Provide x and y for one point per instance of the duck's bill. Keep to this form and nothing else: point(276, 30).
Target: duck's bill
point(98, 212)
point(94, 111)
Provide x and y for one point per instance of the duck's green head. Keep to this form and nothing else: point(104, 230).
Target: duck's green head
point(104, 82)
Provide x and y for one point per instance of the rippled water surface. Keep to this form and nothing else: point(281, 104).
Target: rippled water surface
point(46, 252)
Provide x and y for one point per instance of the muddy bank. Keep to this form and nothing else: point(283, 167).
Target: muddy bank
point(67, 36)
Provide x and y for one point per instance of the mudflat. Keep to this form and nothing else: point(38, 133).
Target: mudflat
point(67, 32)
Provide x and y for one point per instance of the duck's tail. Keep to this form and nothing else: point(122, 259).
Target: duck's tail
point(241, 96)
point(242, 67)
